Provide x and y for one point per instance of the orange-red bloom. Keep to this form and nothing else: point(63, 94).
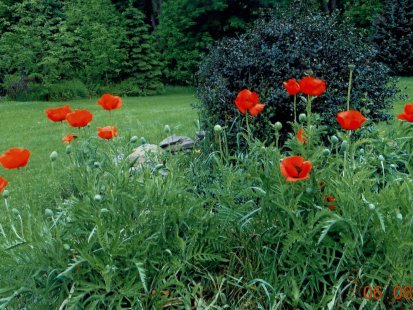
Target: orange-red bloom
point(248, 101)
point(15, 158)
point(3, 184)
point(350, 120)
point(407, 115)
point(69, 138)
point(294, 168)
point(312, 86)
point(330, 200)
point(107, 132)
point(79, 118)
point(300, 136)
point(110, 102)
point(58, 114)
point(292, 87)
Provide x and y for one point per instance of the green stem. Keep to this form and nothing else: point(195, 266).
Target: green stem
point(309, 100)
point(349, 90)
point(295, 109)
point(248, 127)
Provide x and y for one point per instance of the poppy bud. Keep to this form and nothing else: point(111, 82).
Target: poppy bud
point(393, 166)
point(98, 198)
point(134, 139)
point(158, 166)
point(15, 211)
point(302, 118)
point(217, 128)
point(399, 216)
point(96, 164)
point(308, 190)
point(334, 139)
point(53, 156)
point(344, 145)
point(48, 212)
point(66, 247)
point(351, 67)
point(381, 158)
point(167, 129)
point(278, 126)
point(104, 210)
point(143, 140)
point(68, 149)
point(326, 152)
point(6, 194)
point(372, 206)
point(361, 151)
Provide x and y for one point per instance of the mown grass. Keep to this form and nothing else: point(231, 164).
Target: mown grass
point(24, 124)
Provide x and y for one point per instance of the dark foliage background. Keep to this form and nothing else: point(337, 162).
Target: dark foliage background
point(286, 47)
point(393, 36)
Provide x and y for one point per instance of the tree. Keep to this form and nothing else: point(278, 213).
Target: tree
point(393, 36)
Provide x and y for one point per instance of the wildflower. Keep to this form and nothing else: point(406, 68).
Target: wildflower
point(107, 132)
point(312, 86)
point(292, 87)
point(69, 138)
point(407, 115)
point(79, 118)
point(58, 114)
point(3, 184)
point(110, 102)
point(15, 158)
point(350, 120)
point(300, 136)
point(294, 168)
point(248, 101)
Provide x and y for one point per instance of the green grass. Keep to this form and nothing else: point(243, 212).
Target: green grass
point(406, 85)
point(24, 124)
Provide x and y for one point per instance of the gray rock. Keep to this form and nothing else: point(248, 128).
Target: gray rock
point(177, 143)
point(146, 154)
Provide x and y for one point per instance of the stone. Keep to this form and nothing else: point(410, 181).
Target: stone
point(146, 154)
point(177, 143)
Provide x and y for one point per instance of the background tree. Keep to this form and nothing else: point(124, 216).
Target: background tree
point(393, 36)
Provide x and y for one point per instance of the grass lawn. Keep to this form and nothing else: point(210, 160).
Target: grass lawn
point(406, 84)
point(24, 124)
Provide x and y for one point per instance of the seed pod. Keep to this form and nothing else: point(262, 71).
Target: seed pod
point(334, 139)
point(381, 158)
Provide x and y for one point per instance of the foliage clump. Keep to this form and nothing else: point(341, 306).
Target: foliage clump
point(393, 36)
point(288, 47)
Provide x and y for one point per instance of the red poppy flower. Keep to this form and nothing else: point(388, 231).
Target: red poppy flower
point(248, 101)
point(58, 114)
point(294, 168)
point(300, 136)
point(79, 118)
point(107, 132)
point(292, 87)
point(3, 184)
point(15, 158)
point(407, 115)
point(312, 86)
point(69, 138)
point(350, 120)
point(110, 102)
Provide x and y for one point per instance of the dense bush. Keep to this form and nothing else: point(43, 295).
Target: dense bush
point(285, 48)
point(393, 36)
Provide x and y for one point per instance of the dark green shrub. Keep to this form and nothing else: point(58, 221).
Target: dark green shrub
point(67, 90)
point(133, 87)
point(393, 36)
point(283, 48)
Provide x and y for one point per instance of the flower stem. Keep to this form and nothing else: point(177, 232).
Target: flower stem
point(248, 127)
point(295, 109)
point(309, 99)
point(349, 89)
